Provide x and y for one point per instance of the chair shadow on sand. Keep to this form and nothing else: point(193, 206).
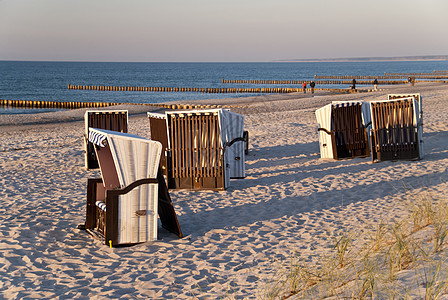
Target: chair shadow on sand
point(275, 204)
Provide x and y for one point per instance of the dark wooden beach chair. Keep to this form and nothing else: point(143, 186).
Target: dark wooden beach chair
point(123, 205)
point(343, 130)
point(115, 120)
point(205, 148)
point(396, 130)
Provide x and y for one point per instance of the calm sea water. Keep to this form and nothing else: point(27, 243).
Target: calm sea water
point(47, 81)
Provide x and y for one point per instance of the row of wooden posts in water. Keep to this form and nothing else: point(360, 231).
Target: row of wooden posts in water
point(186, 89)
point(368, 80)
point(177, 89)
point(77, 104)
point(269, 90)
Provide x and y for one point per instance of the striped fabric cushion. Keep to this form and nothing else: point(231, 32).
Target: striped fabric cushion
point(156, 115)
point(97, 138)
point(346, 104)
point(101, 205)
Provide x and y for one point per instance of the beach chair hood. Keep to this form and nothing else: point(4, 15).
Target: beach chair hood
point(134, 157)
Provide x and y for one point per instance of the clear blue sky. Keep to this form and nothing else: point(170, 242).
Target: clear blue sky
point(210, 30)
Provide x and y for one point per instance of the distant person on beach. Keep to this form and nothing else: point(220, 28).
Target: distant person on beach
point(354, 84)
point(304, 87)
point(375, 84)
point(412, 81)
point(312, 85)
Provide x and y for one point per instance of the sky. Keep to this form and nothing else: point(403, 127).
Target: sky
point(220, 31)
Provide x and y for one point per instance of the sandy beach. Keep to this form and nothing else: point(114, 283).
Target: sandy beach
point(237, 239)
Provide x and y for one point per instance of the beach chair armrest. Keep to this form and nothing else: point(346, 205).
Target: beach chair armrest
point(127, 189)
point(230, 143)
point(325, 130)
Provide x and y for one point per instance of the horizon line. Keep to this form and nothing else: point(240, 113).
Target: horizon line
point(340, 59)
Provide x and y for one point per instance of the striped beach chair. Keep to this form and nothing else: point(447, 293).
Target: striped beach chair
point(123, 205)
point(204, 148)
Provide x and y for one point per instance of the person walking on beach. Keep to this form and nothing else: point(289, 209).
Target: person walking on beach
point(354, 84)
point(304, 87)
point(312, 85)
point(375, 85)
point(411, 80)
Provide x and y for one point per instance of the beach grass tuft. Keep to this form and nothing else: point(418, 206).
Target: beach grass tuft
point(374, 264)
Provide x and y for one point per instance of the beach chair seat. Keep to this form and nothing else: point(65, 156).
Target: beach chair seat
point(123, 205)
point(396, 129)
point(343, 129)
point(204, 148)
point(115, 120)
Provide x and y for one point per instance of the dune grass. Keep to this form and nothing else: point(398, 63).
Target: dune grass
point(376, 263)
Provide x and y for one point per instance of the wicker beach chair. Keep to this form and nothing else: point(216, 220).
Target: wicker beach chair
point(115, 120)
point(343, 129)
point(396, 129)
point(205, 148)
point(123, 205)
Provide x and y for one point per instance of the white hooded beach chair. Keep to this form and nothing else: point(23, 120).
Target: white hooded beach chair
point(115, 120)
point(343, 129)
point(205, 148)
point(122, 206)
point(396, 129)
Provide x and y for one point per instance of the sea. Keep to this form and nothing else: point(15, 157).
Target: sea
point(48, 81)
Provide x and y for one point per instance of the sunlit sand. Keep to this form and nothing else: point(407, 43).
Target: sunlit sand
point(237, 240)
